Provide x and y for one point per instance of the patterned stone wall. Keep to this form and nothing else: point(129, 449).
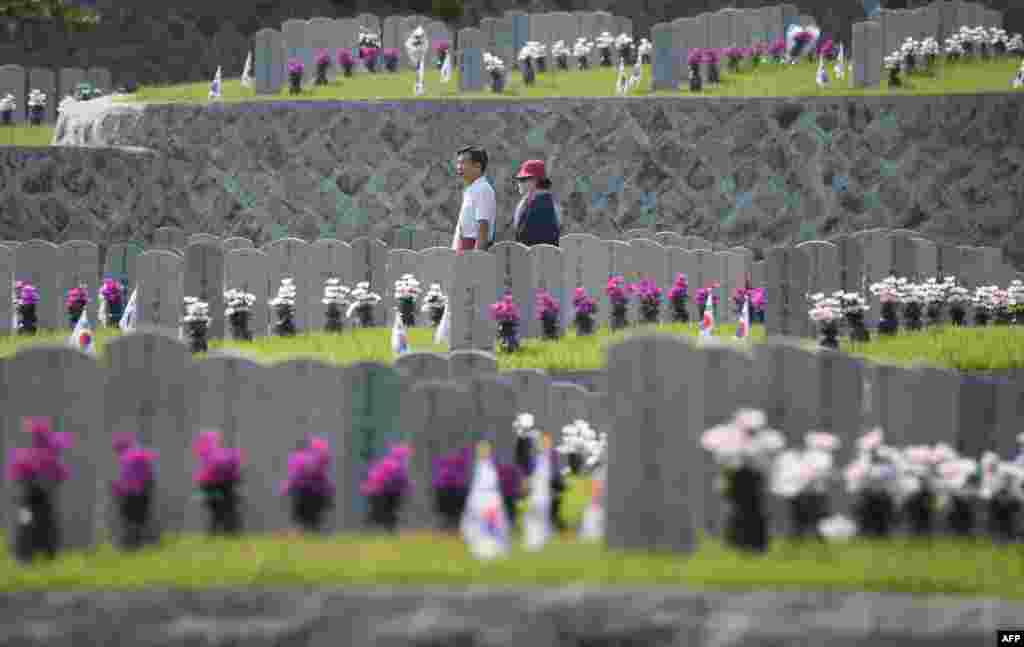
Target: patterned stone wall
point(755, 172)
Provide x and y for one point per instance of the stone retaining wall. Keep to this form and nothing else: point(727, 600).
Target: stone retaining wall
point(498, 617)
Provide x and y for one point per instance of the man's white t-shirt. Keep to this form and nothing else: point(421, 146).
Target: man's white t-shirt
point(478, 204)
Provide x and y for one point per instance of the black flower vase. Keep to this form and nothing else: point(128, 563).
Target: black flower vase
point(497, 82)
point(858, 332)
point(511, 510)
point(1003, 317)
point(734, 65)
point(679, 313)
point(713, 74)
point(436, 315)
point(508, 332)
point(134, 511)
point(7, 117)
point(1002, 517)
point(830, 335)
point(36, 531)
point(557, 488)
point(35, 115)
point(524, 454)
point(584, 325)
point(894, 78)
point(746, 526)
point(28, 322)
point(606, 57)
point(618, 319)
point(563, 62)
point(408, 311)
point(197, 337)
point(909, 63)
point(74, 312)
point(961, 516)
point(347, 69)
point(382, 511)
point(285, 326)
point(295, 83)
point(575, 462)
point(365, 314)
point(645, 59)
point(549, 326)
point(889, 324)
point(649, 313)
point(308, 510)
point(919, 512)
point(582, 63)
point(114, 312)
point(529, 76)
point(875, 514)
point(240, 326)
point(542, 65)
point(223, 507)
point(695, 81)
point(321, 74)
point(957, 315)
point(912, 316)
point(981, 317)
point(334, 315)
point(934, 312)
point(806, 510)
point(391, 63)
point(440, 59)
point(451, 503)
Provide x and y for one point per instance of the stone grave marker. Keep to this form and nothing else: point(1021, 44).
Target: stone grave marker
point(160, 278)
point(204, 279)
point(79, 266)
point(13, 79)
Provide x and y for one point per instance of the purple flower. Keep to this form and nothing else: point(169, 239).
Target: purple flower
point(296, 66)
point(136, 466)
point(441, 46)
point(510, 479)
point(648, 292)
point(367, 52)
point(218, 465)
point(452, 471)
point(757, 298)
point(505, 310)
point(547, 305)
point(826, 48)
point(323, 57)
point(802, 37)
point(27, 293)
point(391, 56)
point(778, 48)
point(111, 291)
point(618, 291)
point(390, 474)
point(41, 462)
point(734, 53)
point(308, 470)
point(703, 293)
point(77, 298)
point(679, 288)
point(712, 56)
point(584, 304)
point(345, 58)
point(696, 56)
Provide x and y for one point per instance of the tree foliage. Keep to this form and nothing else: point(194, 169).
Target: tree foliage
point(77, 14)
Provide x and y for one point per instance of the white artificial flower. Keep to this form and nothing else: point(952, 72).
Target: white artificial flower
point(871, 440)
point(196, 310)
point(645, 47)
point(493, 63)
point(285, 294)
point(8, 103)
point(524, 422)
point(238, 301)
point(605, 40)
point(821, 441)
point(361, 297)
point(434, 298)
point(407, 287)
point(837, 528)
point(749, 419)
point(36, 98)
point(582, 47)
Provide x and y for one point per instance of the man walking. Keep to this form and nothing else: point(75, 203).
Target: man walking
point(475, 227)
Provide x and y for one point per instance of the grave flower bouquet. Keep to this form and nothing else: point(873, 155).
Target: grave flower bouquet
point(827, 313)
point(309, 484)
point(998, 38)
point(758, 302)
point(802, 477)
point(586, 308)
point(7, 107)
point(649, 297)
point(677, 297)
point(335, 298)
point(880, 479)
point(239, 313)
point(387, 482)
point(957, 481)
point(581, 50)
point(756, 53)
point(512, 484)
point(799, 41)
point(496, 68)
point(369, 46)
point(694, 59)
point(526, 57)
point(711, 60)
point(391, 57)
point(75, 302)
point(346, 61)
point(1002, 488)
point(618, 292)
point(323, 61)
point(928, 50)
point(604, 43)
point(744, 448)
point(284, 307)
point(735, 57)
point(506, 313)
point(540, 51)
point(36, 107)
point(739, 297)
point(908, 55)
point(826, 49)
point(548, 310)
point(984, 301)
point(407, 290)
point(1015, 46)
point(218, 476)
point(1016, 293)
point(1001, 306)
point(197, 322)
point(362, 303)
point(527, 439)
point(295, 70)
point(913, 299)
point(133, 490)
point(368, 55)
point(890, 293)
point(36, 471)
point(853, 307)
point(624, 46)
point(957, 297)
point(561, 54)
point(893, 62)
point(451, 480)
point(112, 297)
point(923, 484)
point(26, 298)
point(582, 446)
point(644, 49)
point(934, 293)
point(441, 49)
point(434, 303)
point(702, 297)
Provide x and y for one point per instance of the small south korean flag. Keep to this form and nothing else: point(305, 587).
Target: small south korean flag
point(1018, 81)
point(822, 77)
point(81, 337)
point(215, 86)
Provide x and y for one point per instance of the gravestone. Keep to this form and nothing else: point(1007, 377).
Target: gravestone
point(664, 75)
point(790, 16)
point(437, 414)
point(160, 277)
point(493, 409)
point(585, 264)
point(719, 26)
point(567, 404)
point(587, 21)
point(119, 264)
point(786, 278)
point(400, 262)
point(289, 258)
point(328, 258)
point(36, 262)
point(268, 61)
point(868, 48)
point(204, 279)
point(547, 264)
point(419, 366)
point(650, 261)
point(67, 386)
point(533, 387)
point(406, 27)
point(158, 373)
point(472, 43)
point(514, 268)
point(218, 402)
point(438, 266)
point(172, 238)
point(68, 79)
point(823, 277)
point(475, 280)
point(346, 35)
point(390, 36)
point(13, 79)
point(294, 34)
point(647, 453)
point(467, 364)
point(369, 263)
point(487, 28)
point(100, 78)
point(248, 270)
point(319, 31)
point(79, 266)
point(207, 239)
point(45, 80)
point(504, 40)
point(7, 275)
point(772, 22)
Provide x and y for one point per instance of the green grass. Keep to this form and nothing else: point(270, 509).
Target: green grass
point(768, 80)
point(994, 348)
point(26, 135)
point(944, 566)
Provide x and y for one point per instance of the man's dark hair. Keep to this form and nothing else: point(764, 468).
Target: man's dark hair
point(476, 154)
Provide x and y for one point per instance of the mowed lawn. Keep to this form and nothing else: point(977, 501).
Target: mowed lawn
point(993, 348)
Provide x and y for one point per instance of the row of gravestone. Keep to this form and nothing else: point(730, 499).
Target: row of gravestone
point(665, 392)
point(474, 281)
point(18, 82)
point(672, 41)
point(147, 384)
point(503, 37)
point(886, 31)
